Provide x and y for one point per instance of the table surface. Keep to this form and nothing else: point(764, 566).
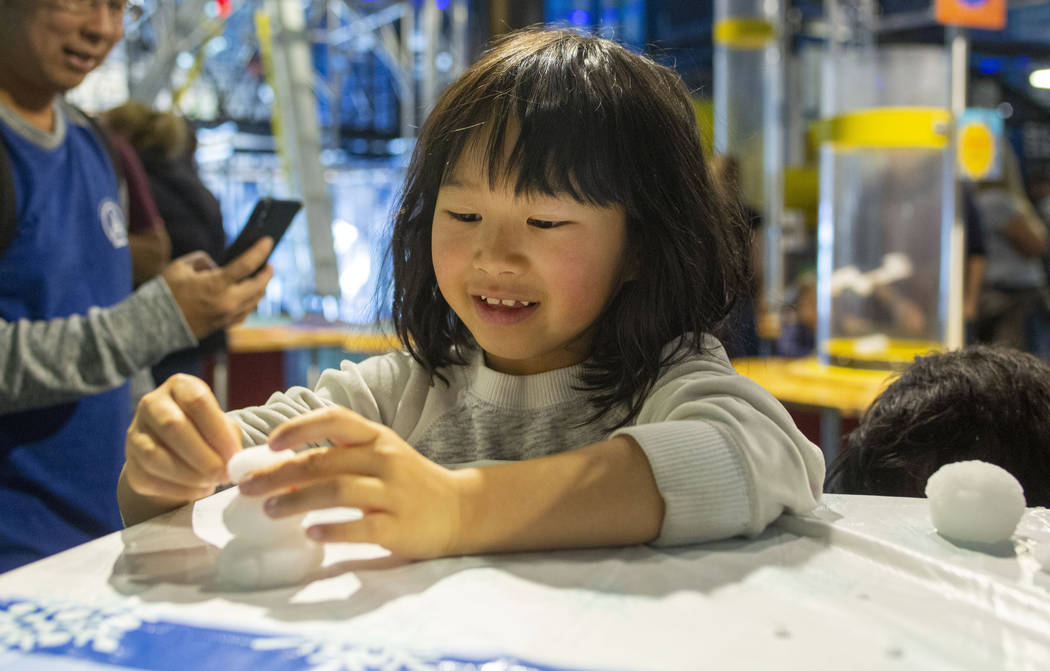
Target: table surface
point(863, 583)
point(807, 382)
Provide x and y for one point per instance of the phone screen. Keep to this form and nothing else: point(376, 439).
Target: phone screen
point(271, 217)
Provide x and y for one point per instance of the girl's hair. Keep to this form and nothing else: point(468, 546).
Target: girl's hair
point(982, 402)
point(561, 113)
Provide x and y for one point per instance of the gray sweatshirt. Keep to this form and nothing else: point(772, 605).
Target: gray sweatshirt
point(726, 455)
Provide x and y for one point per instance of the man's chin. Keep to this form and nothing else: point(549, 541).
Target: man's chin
point(69, 82)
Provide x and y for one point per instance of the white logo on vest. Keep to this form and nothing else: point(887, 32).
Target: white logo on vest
point(112, 218)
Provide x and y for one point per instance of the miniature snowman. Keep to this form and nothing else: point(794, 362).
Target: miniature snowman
point(264, 552)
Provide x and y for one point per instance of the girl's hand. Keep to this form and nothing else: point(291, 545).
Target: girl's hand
point(411, 505)
point(179, 442)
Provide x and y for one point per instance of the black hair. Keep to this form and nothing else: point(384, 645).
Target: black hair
point(561, 113)
point(982, 402)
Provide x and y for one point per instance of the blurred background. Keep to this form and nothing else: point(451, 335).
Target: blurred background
point(858, 132)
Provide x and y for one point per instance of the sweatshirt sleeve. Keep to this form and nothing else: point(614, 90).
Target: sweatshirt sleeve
point(727, 457)
point(371, 388)
point(55, 361)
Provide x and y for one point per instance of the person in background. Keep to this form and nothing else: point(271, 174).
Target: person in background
point(191, 214)
point(560, 255)
point(975, 261)
point(71, 330)
point(1039, 194)
point(1011, 308)
point(982, 402)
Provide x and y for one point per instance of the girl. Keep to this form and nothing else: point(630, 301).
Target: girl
point(559, 253)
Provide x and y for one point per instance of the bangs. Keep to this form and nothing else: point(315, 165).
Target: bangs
point(543, 131)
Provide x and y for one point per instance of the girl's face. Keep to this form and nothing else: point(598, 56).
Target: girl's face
point(528, 276)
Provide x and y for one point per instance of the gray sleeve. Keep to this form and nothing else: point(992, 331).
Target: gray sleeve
point(43, 363)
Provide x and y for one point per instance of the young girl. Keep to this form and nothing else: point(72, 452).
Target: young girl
point(559, 255)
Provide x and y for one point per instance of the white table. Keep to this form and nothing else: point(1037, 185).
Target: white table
point(864, 584)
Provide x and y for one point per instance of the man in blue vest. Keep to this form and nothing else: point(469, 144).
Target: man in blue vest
point(71, 331)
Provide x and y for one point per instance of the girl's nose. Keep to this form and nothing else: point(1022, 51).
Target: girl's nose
point(498, 249)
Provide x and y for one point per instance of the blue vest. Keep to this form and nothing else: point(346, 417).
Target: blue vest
point(59, 465)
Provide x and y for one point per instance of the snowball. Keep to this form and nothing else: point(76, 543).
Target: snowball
point(251, 459)
point(1041, 552)
point(245, 564)
point(264, 552)
point(244, 516)
point(975, 502)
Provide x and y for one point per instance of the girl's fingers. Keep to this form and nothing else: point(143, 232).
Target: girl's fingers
point(151, 485)
point(199, 404)
point(168, 425)
point(338, 425)
point(156, 461)
point(374, 527)
point(352, 491)
point(312, 466)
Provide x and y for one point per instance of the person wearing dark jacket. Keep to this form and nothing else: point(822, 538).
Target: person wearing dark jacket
point(191, 213)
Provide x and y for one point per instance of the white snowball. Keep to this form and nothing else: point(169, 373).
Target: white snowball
point(252, 459)
point(247, 565)
point(1041, 552)
point(264, 552)
point(244, 516)
point(975, 502)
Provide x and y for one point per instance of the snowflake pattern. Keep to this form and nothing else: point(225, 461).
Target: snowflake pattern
point(30, 626)
point(119, 637)
point(344, 656)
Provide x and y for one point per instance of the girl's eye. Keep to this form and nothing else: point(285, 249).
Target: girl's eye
point(542, 223)
point(464, 216)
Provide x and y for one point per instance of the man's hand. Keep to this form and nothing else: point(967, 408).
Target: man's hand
point(212, 298)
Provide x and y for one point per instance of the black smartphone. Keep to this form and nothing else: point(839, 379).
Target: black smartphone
point(271, 217)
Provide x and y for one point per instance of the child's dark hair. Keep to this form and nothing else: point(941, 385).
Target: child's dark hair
point(982, 402)
point(588, 119)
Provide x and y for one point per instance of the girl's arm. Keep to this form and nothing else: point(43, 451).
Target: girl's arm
point(726, 455)
point(600, 495)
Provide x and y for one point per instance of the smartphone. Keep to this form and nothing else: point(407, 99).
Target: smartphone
point(271, 217)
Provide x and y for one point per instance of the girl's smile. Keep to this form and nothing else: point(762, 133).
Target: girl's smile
point(505, 311)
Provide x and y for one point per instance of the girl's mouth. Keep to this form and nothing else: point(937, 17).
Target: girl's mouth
point(503, 311)
point(505, 302)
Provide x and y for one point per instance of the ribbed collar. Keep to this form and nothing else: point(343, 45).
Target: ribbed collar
point(41, 138)
point(528, 392)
